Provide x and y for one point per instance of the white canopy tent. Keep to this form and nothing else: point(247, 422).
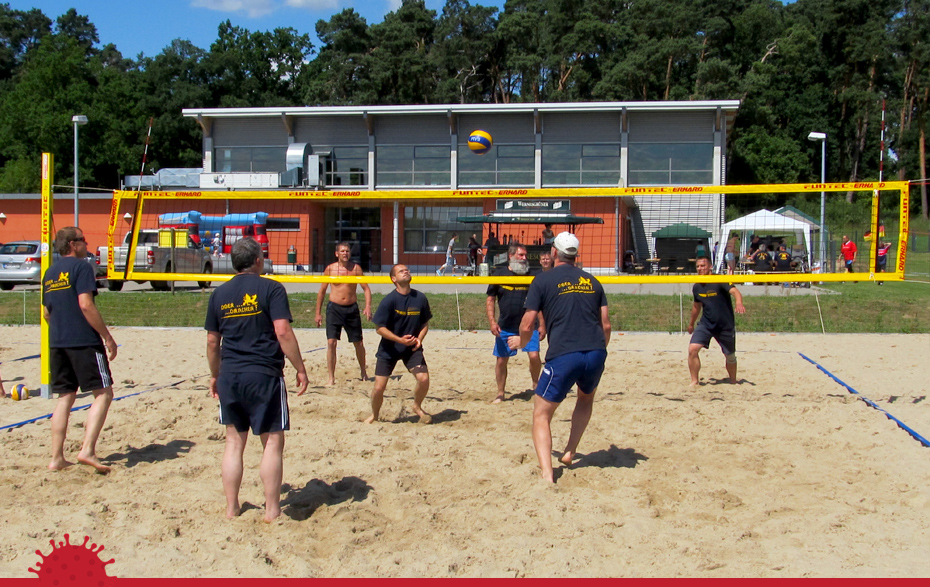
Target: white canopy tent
point(764, 222)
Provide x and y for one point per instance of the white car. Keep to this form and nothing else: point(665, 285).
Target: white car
point(21, 264)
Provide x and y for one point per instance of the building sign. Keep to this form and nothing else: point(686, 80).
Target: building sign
point(534, 205)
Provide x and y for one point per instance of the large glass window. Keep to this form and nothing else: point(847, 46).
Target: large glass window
point(346, 165)
point(413, 165)
point(428, 229)
point(510, 165)
point(581, 164)
point(671, 164)
point(250, 159)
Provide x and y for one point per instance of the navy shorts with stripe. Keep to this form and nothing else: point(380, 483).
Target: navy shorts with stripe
point(86, 368)
point(253, 400)
point(561, 373)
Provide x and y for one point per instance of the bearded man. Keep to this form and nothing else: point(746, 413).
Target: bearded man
point(510, 298)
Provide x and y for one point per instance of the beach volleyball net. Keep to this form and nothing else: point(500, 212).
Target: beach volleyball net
point(627, 235)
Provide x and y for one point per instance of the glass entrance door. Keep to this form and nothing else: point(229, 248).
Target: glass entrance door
point(361, 228)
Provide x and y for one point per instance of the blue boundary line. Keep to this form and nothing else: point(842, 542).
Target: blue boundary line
point(869, 402)
point(86, 406)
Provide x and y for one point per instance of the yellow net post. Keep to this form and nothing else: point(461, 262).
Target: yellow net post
point(48, 233)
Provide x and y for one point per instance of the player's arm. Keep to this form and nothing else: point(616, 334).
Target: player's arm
point(605, 324)
point(319, 300)
point(421, 336)
point(89, 309)
point(695, 312)
point(738, 298)
point(367, 291)
point(526, 328)
point(492, 322)
point(213, 359)
point(291, 349)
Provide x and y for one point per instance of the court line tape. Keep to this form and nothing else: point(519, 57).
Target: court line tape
point(86, 406)
point(869, 402)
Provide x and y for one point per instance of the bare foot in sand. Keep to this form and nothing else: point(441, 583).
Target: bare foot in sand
point(550, 478)
point(271, 515)
point(59, 464)
point(498, 399)
point(364, 375)
point(233, 512)
point(567, 458)
point(695, 383)
point(424, 417)
point(371, 419)
point(93, 461)
point(331, 383)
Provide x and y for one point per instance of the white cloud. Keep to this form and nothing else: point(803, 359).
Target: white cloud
point(314, 4)
point(393, 5)
point(254, 8)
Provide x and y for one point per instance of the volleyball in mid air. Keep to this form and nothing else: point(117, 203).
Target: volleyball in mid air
point(479, 142)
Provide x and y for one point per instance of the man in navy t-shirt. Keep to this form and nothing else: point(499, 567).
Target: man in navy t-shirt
point(510, 299)
point(578, 325)
point(252, 318)
point(80, 346)
point(712, 303)
point(402, 320)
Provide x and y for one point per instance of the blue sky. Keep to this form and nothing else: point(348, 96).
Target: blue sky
point(148, 27)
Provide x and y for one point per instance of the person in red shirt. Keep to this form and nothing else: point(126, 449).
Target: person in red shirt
point(848, 252)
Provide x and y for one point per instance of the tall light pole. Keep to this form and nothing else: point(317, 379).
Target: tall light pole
point(822, 137)
point(78, 120)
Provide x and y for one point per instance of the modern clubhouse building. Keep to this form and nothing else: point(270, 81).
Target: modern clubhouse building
point(538, 149)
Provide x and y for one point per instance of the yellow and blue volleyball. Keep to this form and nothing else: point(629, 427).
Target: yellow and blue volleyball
point(479, 142)
point(19, 392)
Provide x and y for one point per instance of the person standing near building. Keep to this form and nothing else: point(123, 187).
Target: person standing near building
point(545, 261)
point(848, 253)
point(342, 310)
point(474, 247)
point(80, 347)
point(217, 245)
point(450, 256)
point(249, 334)
point(402, 320)
point(547, 235)
point(578, 325)
point(881, 260)
point(731, 254)
point(510, 298)
point(712, 303)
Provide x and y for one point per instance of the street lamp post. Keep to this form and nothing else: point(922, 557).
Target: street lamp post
point(78, 120)
point(822, 137)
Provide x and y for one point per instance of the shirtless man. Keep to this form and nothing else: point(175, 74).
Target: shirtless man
point(342, 311)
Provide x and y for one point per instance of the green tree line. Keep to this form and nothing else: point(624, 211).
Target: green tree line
point(811, 65)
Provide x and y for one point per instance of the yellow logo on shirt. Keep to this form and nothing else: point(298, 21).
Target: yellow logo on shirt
point(584, 285)
point(248, 307)
point(63, 282)
point(410, 312)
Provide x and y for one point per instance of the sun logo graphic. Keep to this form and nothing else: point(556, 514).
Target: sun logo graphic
point(248, 300)
point(63, 276)
point(584, 281)
point(72, 564)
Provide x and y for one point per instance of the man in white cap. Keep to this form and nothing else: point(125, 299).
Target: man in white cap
point(578, 325)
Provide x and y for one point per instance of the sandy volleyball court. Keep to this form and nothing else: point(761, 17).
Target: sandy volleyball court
point(786, 474)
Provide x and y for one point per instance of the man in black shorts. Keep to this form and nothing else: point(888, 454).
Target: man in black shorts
point(402, 320)
point(80, 346)
point(717, 321)
point(578, 325)
point(252, 318)
point(342, 310)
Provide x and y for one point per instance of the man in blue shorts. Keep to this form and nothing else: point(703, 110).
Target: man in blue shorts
point(712, 303)
point(510, 299)
point(402, 320)
point(252, 318)
point(80, 346)
point(577, 322)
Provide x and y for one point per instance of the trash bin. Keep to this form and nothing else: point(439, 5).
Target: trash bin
point(292, 255)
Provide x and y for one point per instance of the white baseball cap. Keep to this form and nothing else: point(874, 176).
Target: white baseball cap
point(566, 243)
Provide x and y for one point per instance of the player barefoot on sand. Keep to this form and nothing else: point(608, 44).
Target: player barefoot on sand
point(712, 303)
point(342, 311)
point(403, 321)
